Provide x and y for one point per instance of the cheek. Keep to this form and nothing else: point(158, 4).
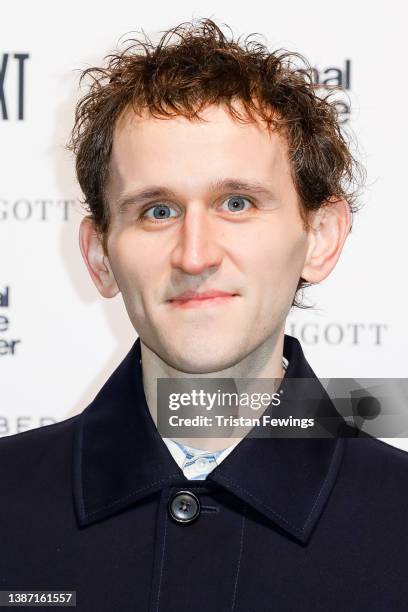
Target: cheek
point(137, 266)
point(296, 254)
point(126, 260)
point(280, 256)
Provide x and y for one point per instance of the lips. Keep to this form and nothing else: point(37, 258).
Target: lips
point(204, 295)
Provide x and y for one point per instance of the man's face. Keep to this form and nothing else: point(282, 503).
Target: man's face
point(220, 212)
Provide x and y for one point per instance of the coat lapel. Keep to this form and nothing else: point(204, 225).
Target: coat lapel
point(119, 456)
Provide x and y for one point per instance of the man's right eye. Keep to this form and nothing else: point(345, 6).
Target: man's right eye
point(160, 211)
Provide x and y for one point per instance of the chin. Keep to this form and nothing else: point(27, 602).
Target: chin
point(202, 361)
point(199, 368)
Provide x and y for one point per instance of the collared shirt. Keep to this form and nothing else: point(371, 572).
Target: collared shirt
point(195, 462)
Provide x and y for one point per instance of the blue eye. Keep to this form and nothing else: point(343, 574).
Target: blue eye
point(159, 211)
point(237, 203)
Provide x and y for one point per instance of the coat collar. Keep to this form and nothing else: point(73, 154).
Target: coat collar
point(119, 457)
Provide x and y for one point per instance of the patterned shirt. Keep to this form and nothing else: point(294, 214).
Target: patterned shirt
point(195, 462)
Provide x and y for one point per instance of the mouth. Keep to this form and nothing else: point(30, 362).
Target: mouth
point(191, 300)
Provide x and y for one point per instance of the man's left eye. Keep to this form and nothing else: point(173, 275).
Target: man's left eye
point(236, 203)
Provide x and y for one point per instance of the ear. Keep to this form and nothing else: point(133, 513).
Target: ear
point(96, 260)
point(329, 228)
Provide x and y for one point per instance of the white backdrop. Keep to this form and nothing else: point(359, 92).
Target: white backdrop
point(59, 340)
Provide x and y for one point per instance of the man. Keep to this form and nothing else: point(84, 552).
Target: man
point(218, 184)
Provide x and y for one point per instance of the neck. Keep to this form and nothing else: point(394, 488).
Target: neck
point(264, 362)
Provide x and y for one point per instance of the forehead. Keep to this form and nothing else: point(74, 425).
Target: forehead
point(146, 148)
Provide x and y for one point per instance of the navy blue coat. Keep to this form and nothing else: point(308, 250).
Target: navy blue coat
point(285, 524)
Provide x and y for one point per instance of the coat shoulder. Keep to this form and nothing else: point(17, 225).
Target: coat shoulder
point(377, 466)
point(36, 451)
point(378, 449)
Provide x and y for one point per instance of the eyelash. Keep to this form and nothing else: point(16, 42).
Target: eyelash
point(152, 206)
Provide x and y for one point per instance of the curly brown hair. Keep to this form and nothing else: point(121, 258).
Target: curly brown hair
point(195, 64)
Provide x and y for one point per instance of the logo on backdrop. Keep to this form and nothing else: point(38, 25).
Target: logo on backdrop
point(12, 85)
point(335, 334)
point(17, 424)
point(336, 77)
point(8, 346)
point(39, 209)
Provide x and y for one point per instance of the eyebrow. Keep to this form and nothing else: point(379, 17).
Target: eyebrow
point(157, 191)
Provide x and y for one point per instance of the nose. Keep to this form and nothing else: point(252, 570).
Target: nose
point(197, 247)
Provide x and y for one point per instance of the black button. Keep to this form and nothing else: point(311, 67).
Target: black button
point(184, 507)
